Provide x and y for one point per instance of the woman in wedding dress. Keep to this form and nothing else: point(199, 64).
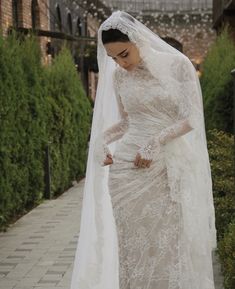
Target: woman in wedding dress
point(148, 214)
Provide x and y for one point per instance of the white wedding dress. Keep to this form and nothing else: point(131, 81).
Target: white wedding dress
point(146, 228)
point(152, 251)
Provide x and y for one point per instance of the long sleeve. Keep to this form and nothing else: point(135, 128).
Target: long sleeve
point(153, 145)
point(116, 131)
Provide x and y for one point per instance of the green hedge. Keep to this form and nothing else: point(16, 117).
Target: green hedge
point(217, 89)
point(217, 83)
point(38, 106)
point(226, 249)
point(221, 146)
point(69, 121)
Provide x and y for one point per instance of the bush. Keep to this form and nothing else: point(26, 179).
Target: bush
point(217, 83)
point(221, 145)
point(217, 89)
point(35, 126)
point(69, 121)
point(226, 248)
point(14, 185)
point(38, 106)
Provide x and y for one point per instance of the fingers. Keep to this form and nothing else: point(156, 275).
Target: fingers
point(144, 163)
point(148, 164)
point(141, 163)
point(137, 160)
point(108, 160)
point(109, 156)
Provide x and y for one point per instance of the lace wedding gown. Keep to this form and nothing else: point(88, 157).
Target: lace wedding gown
point(152, 254)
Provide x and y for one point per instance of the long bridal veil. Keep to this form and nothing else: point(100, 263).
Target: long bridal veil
point(188, 167)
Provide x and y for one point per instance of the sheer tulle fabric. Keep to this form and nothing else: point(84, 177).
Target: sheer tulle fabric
point(170, 115)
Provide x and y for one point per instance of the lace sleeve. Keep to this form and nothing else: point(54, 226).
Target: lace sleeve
point(154, 144)
point(185, 120)
point(117, 130)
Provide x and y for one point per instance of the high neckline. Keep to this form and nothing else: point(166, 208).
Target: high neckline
point(140, 65)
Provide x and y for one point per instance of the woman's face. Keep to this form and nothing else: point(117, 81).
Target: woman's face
point(125, 54)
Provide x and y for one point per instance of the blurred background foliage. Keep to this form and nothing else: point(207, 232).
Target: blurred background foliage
point(217, 89)
point(217, 83)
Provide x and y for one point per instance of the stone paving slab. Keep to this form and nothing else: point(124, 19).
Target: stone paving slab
point(37, 252)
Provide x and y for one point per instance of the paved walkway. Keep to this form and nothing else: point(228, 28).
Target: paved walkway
point(37, 252)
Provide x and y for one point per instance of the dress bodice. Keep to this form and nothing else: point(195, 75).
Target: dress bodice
point(148, 103)
point(153, 111)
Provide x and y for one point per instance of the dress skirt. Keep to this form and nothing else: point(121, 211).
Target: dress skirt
point(148, 222)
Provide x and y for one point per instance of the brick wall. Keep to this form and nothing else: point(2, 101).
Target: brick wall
point(25, 18)
point(6, 15)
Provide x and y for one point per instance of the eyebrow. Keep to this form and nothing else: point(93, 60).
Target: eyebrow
point(119, 53)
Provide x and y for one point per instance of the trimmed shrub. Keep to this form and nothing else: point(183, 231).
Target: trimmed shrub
point(217, 83)
point(226, 249)
point(38, 106)
point(221, 145)
point(69, 121)
point(35, 128)
point(14, 186)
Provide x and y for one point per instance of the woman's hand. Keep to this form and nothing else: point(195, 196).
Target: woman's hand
point(141, 163)
point(108, 160)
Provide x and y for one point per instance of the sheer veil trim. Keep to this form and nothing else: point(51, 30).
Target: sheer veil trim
point(188, 167)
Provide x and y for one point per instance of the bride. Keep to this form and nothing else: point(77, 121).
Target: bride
point(147, 214)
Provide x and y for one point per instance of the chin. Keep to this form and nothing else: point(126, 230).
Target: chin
point(130, 67)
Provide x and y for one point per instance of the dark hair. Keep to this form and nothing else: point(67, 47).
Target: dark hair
point(114, 35)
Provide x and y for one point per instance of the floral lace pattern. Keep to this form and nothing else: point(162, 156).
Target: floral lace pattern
point(152, 251)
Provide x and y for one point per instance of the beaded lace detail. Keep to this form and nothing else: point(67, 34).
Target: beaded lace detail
point(180, 125)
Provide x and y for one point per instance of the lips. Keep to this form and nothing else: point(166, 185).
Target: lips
point(127, 67)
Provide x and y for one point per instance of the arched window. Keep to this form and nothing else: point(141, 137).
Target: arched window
point(79, 27)
point(35, 14)
point(58, 18)
point(70, 23)
point(16, 13)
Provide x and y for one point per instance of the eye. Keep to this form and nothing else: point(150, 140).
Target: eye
point(125, 55)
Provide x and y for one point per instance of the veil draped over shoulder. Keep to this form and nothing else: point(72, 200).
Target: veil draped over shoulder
point(188, 167)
